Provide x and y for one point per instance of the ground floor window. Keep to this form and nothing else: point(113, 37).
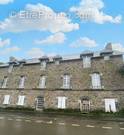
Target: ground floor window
point(6, 100)
point(21, 100)
point(84, 104)
point(110, 105)
point(61, 102)
point(39, 103)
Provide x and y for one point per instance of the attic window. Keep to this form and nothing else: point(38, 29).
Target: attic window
point(86, 62)
point(107, 57)
point(43, 65)
point(10, 69)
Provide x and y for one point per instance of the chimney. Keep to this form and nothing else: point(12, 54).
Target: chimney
point(109, 47)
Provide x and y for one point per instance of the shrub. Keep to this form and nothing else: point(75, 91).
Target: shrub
point(121, 70)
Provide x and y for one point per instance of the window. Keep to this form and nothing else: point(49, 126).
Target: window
point(4, 84)
point(21, 100)
point(22, 81)
point(6, 100)
point(42, 82)
point(96, 81)
point(10, 68)
point(110, 105)
point(66, 81)
point(61, 102)
point(86, 62)
point(43, 65)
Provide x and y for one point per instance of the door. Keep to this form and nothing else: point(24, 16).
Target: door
point(84, 105)
point(39, 103)
point(110, 105)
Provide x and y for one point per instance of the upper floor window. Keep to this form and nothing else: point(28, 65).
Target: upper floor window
point(10, 68)
point(86, 62)
point(96, 81)
point(43, 65)
point(66, 81)
point(22, 82)
point(21, 100)
point(42, 82)
point(4, 84)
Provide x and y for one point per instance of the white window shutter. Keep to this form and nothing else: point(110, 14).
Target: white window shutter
point(6, 100)
point(21, 100)
point(61, 102)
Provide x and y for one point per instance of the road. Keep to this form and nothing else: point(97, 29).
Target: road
point(18, 124)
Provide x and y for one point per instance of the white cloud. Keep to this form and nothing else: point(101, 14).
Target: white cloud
point(39, 17)
point(4, 42)
point(5, 1)
point(57, 38)
point(35, 53)
point(9, 50)
point(92, 10)
point(84, 42)
point(118, 47)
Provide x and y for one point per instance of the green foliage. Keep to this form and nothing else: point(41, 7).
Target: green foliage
point(62, 110)
point(121, 70)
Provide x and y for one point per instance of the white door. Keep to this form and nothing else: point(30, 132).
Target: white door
point(110, 105)
point(61, 102)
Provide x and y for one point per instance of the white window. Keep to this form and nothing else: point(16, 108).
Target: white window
point(10, 68)
point(4, 82)
point(22, 82)
point(43, 65)
point(6, 100)
point(96, 81)
point(62, 102)
point(42, 82)
point(21, 100)
point(110, 105)
point(86, 62)
point(66, 81)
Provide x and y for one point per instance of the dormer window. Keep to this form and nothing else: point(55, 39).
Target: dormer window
point(43, 65)
point(86, 62)
point(96, 81)
point(4, 84)
point(57, 59)
point(22, 82)
point(107, 57)
point(57, 62)
point(66, 81)
point(10, 69)
point(43, 62)
point(42, 82)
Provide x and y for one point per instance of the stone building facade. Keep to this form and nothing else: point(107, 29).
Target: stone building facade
point(87, 82)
